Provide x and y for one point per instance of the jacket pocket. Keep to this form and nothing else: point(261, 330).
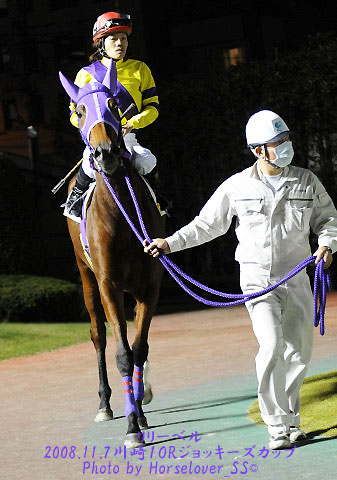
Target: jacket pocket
point(248, 206)
point(300, 210)
point(251, 216)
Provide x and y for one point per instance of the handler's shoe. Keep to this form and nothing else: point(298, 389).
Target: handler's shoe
point(296, 434)
point(279, 441)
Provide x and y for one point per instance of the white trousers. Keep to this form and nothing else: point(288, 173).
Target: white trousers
point(142, 159)
point(282, 322)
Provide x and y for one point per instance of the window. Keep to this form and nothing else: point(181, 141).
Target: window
point(214, 58)
point(233, 56)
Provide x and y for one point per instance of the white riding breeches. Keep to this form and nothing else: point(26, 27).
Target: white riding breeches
point(142, 159)
point(282, 321)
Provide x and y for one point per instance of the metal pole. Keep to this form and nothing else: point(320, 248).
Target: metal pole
point(33, 148)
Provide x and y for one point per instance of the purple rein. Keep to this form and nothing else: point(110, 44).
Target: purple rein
point(321, 280)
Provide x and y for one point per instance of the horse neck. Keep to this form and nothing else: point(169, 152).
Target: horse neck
point(118, 183)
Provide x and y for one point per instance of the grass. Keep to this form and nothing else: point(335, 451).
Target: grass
point(21, 339)
point(318, 397)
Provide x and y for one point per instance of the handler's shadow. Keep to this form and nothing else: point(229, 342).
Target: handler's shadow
point(194, 406)
point(193, 420)
point(202, 405)
point(311, 437)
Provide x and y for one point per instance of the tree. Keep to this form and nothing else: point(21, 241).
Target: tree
point(199, 138)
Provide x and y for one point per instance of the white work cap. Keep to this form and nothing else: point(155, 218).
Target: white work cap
point(265, 127)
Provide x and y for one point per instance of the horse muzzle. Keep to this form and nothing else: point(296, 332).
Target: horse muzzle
point(108, 159)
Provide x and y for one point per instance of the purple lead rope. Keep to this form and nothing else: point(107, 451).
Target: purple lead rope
point(321, 279)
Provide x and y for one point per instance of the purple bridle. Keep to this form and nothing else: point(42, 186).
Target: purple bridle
point(92, 100)
point(95, 96)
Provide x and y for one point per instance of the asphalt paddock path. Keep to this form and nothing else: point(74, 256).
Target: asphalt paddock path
point(203, 379)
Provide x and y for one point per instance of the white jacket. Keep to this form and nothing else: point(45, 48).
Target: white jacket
point(272, 229)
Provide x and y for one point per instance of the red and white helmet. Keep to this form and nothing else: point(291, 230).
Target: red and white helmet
point(111, 22)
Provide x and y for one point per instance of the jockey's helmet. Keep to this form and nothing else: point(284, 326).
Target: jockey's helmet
point(111, 22)
point(264, 127)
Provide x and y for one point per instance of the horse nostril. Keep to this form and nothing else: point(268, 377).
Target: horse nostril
point(102, 150)
point(115, 150)
point(97, 152)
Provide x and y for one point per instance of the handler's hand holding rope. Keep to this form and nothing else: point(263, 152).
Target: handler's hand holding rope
point(156, 247)
point(326, 254)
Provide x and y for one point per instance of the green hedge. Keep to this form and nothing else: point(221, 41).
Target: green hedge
point(25, 298)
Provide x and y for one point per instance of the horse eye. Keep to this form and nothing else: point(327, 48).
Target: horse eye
point(112, 105)
point(79, 113)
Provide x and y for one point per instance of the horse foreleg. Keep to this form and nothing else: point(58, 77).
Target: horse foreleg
point(98, 337)
point(140, 347)
point(148, 395)
point(113, 303)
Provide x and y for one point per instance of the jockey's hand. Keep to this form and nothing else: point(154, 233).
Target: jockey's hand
point(323, 252)
point(157, 246)
point(126, 128)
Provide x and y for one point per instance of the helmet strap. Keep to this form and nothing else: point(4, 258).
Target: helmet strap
point(101, 48)
point(265, 159)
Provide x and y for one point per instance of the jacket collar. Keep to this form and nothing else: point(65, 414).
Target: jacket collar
point(289, 174)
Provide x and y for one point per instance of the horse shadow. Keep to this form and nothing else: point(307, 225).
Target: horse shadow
point(203, 404)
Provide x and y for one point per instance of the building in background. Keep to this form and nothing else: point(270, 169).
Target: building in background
point(209, 36)
point(40, 37)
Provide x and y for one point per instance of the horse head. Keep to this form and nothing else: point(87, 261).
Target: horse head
point(98, 118)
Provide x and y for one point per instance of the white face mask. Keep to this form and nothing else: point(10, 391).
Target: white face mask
point(284, 154)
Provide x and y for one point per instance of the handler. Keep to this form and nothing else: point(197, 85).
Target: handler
point(135, 89)
point(276, 204)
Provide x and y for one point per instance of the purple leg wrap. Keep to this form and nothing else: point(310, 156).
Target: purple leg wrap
point(130, 403)
point(138, 385)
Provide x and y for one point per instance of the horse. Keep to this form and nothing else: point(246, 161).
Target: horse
point(118, 263)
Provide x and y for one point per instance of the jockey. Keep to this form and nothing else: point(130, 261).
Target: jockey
point(136, 92)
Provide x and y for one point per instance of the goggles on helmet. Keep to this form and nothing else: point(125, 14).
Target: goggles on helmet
point(116, 22)
point(104, 26)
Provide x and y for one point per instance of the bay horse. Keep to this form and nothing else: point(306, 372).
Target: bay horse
point(118, 263)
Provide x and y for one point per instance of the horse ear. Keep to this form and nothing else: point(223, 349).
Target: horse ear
point(71, 89)
point(110, 79)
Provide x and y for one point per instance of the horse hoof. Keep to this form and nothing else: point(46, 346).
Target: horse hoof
point(134, 440)
point(142, 423)
point(148, 396)
point(104, 414)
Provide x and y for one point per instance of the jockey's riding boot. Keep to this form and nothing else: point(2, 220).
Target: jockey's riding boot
point(164, 201)
point(73, 206)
